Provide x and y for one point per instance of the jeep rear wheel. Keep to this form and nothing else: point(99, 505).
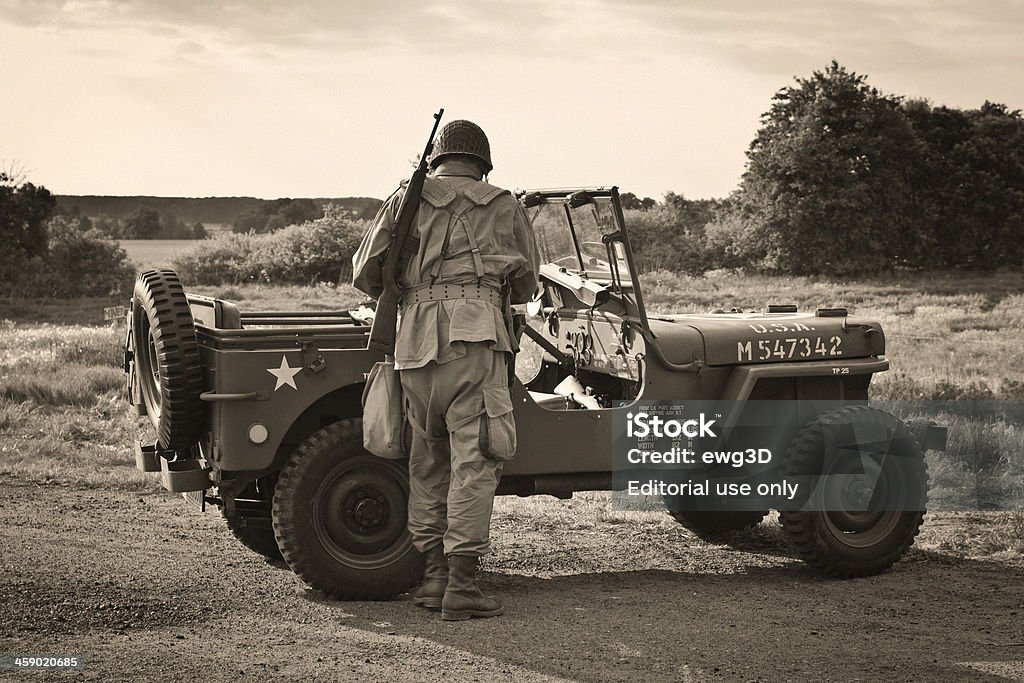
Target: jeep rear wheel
point(866, 489)
point(340, 517)
point(711, 525)
point(258, 539)
point(166, 358)
point(251, 521)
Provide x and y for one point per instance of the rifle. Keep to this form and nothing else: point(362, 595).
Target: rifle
point(385, 318)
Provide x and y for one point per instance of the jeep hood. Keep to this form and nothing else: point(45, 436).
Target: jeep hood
point(744, 338)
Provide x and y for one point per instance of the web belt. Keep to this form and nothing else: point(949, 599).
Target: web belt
point(420, 295)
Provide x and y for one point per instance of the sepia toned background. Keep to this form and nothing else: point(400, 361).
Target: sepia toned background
point(864, 154)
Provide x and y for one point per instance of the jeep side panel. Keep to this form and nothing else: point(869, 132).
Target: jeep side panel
point(261, 381)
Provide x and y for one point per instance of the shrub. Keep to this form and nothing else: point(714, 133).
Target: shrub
point(316, 251)
point(85, 262)
point(671, 236)
point(221, 260)
point(79, 261)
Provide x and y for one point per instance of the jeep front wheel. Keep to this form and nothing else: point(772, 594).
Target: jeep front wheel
point(340, 517)
point(866, 489)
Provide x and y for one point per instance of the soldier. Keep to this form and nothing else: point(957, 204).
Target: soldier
point(453, 350)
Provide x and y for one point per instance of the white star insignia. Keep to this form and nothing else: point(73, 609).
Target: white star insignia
point(284, 374)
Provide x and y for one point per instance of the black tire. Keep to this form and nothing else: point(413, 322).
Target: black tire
point(841, 539)
point(166, 359)
point(919, 430)
point(712, 525)
point(259, 540)
point(251, 521)
point(340, 517)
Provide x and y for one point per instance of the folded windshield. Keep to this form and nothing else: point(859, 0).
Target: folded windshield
point(573, 238)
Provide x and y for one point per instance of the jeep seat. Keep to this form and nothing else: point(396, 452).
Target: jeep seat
point(215, 313)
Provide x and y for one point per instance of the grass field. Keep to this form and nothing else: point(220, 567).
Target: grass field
point(949, 336)
point(154, 253)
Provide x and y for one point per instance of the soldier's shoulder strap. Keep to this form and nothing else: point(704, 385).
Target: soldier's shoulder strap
point(437, 192)
point(481, 193)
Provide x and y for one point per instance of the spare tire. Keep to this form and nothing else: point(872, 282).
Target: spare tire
point(166, 358)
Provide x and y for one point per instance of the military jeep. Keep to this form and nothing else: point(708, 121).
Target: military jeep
point(258, 413)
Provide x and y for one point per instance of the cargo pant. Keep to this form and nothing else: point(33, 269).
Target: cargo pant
point(460, 413)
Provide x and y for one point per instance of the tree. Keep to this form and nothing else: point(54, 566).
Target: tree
point(172, 227)
point(277, 214)
point(82, 262)
point(831, 179)
point(75, 214)
point(141, 224)
point(44, 252)
point(24, 210)
point(975, 183)
point(297, 211)
point(107, 226)
point(631, 201)
point(249, 221)
point(199, 231)
point(671, 234)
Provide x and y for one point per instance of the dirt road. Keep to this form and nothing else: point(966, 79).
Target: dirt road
point(145, 587)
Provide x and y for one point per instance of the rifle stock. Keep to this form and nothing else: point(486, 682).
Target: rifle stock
point(385, 318)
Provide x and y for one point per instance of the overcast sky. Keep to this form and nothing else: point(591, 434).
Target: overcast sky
point(334, 98)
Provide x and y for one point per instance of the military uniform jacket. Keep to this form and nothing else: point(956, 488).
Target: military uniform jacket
point(505, 251)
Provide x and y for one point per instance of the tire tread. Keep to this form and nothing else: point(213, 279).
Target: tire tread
point(800, 529)
point(290, 528)
point(161, 297)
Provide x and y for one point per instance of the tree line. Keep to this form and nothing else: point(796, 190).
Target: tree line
point(841, 179)
point(146, 223)
point(226, 211)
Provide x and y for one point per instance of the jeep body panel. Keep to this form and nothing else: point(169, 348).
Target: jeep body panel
point(271, 377)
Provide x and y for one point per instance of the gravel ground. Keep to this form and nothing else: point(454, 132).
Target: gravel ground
point(147, 588)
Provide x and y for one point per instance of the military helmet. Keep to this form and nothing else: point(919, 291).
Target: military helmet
point(462, 137)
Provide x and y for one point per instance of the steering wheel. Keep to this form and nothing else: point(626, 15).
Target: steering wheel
point(590, 259)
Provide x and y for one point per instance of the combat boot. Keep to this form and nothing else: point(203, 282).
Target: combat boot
point(435, 579)
point(462, 597)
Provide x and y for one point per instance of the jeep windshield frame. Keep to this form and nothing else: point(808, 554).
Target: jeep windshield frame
point(582, 231)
